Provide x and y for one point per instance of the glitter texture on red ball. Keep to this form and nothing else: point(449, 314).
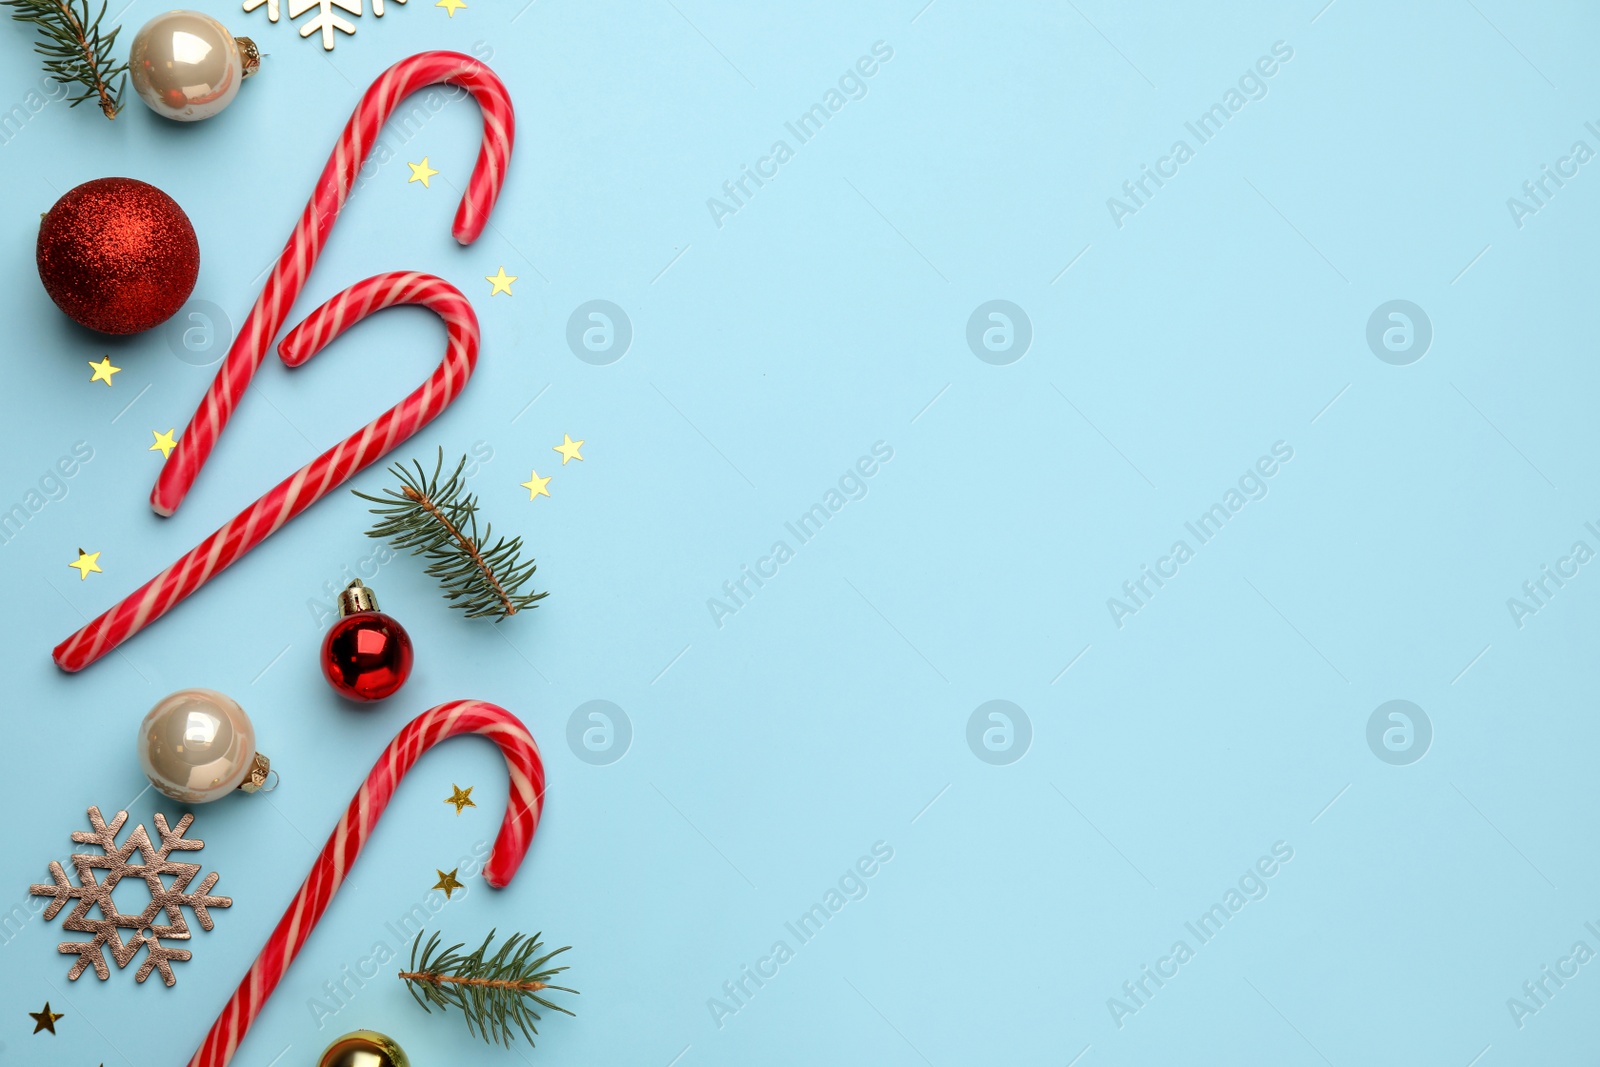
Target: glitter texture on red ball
point(118, 255)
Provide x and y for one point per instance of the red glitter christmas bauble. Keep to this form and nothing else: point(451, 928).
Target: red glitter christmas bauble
point(118, 255)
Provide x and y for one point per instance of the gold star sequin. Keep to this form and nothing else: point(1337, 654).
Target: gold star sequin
point(45, 1020)
point(450, 6)
point(536, 486)
point(568, 449)
point(86, 562)
point(448, 883)
point(461, 798)
point(164, 442)
point(501, 282)
point(103, 371)
point(421, 172)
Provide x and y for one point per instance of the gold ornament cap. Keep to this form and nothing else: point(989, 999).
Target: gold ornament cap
point(356, 597)
point(261, 773)
point(364, 1048)
point(249, 56)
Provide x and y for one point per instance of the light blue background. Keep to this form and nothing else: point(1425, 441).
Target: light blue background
point(830, 712)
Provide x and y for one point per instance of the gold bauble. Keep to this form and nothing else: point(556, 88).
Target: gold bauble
point(364, 1048)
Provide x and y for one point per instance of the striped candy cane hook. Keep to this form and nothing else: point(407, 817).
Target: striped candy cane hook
point(310, 234)
point(339, 854)
point(317, 478)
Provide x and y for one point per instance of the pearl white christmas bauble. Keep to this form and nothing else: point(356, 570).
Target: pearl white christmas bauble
point(197, 745)
point(187, 66)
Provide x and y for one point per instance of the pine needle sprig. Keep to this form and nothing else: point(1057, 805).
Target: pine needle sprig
point(438, 518)
point(75, 49)
point(495, 993)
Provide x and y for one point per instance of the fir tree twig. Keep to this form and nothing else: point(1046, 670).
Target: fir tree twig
point(439, 520)
point(495, 992)
point(75, 50)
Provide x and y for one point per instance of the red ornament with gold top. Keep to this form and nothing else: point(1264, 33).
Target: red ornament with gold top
point(367, 654)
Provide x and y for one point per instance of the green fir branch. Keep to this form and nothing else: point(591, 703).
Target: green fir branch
point(439, 520)
point(75, 50)
point(495, 993)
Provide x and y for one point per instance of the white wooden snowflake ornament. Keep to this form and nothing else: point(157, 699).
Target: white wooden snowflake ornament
point(326, 19)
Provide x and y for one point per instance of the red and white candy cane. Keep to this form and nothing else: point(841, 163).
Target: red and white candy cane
point(339, 854)
point(310, 234)
point(317, 478)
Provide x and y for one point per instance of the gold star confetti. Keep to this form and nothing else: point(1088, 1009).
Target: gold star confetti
point(501, 282)
point(536, 487)
point(568, 449)
point(421, 172)
point(165, 444)
point(86, 562)
point(103, 371)
point(448, 883)
point(450, 6)
point(45, 1020)
point(461, 798)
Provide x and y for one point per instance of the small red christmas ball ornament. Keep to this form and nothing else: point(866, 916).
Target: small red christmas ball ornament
point(367, 654)
point(118, 255)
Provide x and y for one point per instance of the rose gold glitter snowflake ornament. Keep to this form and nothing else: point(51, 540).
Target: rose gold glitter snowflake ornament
point(117, 861)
